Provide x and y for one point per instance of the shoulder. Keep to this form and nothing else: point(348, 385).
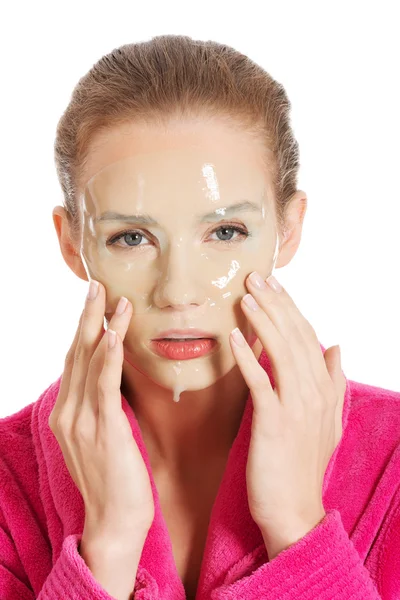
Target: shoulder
point(15, 435)
point(18, 450)
point(374, 424)
point(376, 407)
point(362, 393)
point(17, 427)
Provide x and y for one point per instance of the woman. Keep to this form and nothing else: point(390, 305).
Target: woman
point(206, 445)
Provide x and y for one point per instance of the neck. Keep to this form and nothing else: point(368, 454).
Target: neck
point(202, 425)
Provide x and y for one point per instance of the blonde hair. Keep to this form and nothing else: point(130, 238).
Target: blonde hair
point(173, 76)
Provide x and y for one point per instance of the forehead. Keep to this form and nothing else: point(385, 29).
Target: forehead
point(176, 176)
point(213, 139)
point(182, 167)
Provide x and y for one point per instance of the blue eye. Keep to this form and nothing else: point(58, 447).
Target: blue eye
point(133, 238)
point(226, 230)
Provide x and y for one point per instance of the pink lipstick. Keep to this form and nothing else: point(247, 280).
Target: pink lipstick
point(183, 344)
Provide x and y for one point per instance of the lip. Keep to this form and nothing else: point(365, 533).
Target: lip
point(184, 333)
point(184, 349)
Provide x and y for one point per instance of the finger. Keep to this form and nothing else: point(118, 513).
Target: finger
point(286, 370)
point(289, 321)
point(109, 381)
point(118, 323)
point(91, 332)
point(254, 375)
point(120, 320)
point(66, 375)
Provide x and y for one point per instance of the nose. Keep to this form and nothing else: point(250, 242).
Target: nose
point(178, 286)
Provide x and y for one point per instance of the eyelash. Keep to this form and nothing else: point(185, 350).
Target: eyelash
point(242, 231)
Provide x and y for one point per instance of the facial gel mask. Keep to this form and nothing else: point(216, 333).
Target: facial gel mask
point(177, 233)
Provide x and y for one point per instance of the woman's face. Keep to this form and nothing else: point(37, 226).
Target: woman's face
point(175, 220)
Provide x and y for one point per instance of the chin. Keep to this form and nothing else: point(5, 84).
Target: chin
point(192, 374)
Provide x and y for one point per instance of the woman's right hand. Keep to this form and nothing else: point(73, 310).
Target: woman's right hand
point(94, 433)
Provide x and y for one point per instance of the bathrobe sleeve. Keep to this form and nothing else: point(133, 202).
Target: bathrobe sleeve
point(69, 579)
point(324, 565)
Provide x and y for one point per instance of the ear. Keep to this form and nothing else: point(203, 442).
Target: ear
point(295, 213)
point(69, 249)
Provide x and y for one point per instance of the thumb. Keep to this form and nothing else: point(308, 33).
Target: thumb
point(333, 364)
point(334, 367)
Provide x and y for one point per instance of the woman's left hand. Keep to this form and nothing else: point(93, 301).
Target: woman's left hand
point(297, 426)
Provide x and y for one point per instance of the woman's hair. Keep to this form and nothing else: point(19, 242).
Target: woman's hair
point(174, 76)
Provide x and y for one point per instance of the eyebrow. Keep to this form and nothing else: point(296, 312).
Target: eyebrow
point(211, 217)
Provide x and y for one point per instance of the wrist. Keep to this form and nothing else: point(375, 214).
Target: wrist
point(113, 562)
point(113, 543)
point(287, 535)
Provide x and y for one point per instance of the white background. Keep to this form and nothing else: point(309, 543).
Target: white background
point(339, 63)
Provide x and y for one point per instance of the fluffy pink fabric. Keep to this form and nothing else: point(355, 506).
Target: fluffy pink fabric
point(353, 553)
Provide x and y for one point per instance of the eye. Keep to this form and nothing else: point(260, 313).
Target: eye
point(132, 239)
point(225, 234)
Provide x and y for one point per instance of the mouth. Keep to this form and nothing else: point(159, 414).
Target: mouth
point(175, 346)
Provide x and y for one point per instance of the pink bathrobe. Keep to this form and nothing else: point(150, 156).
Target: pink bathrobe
point(353, 553)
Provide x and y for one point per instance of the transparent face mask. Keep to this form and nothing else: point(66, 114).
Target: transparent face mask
point(178, 234)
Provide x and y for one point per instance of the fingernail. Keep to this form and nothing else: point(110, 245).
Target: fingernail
point(238, 337)
point(121, 305)
point(251, 303)
point(93, 289)
point(272, 282)
point(258, 281)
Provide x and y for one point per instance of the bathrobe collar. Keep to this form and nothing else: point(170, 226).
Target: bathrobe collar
point(234, 542)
